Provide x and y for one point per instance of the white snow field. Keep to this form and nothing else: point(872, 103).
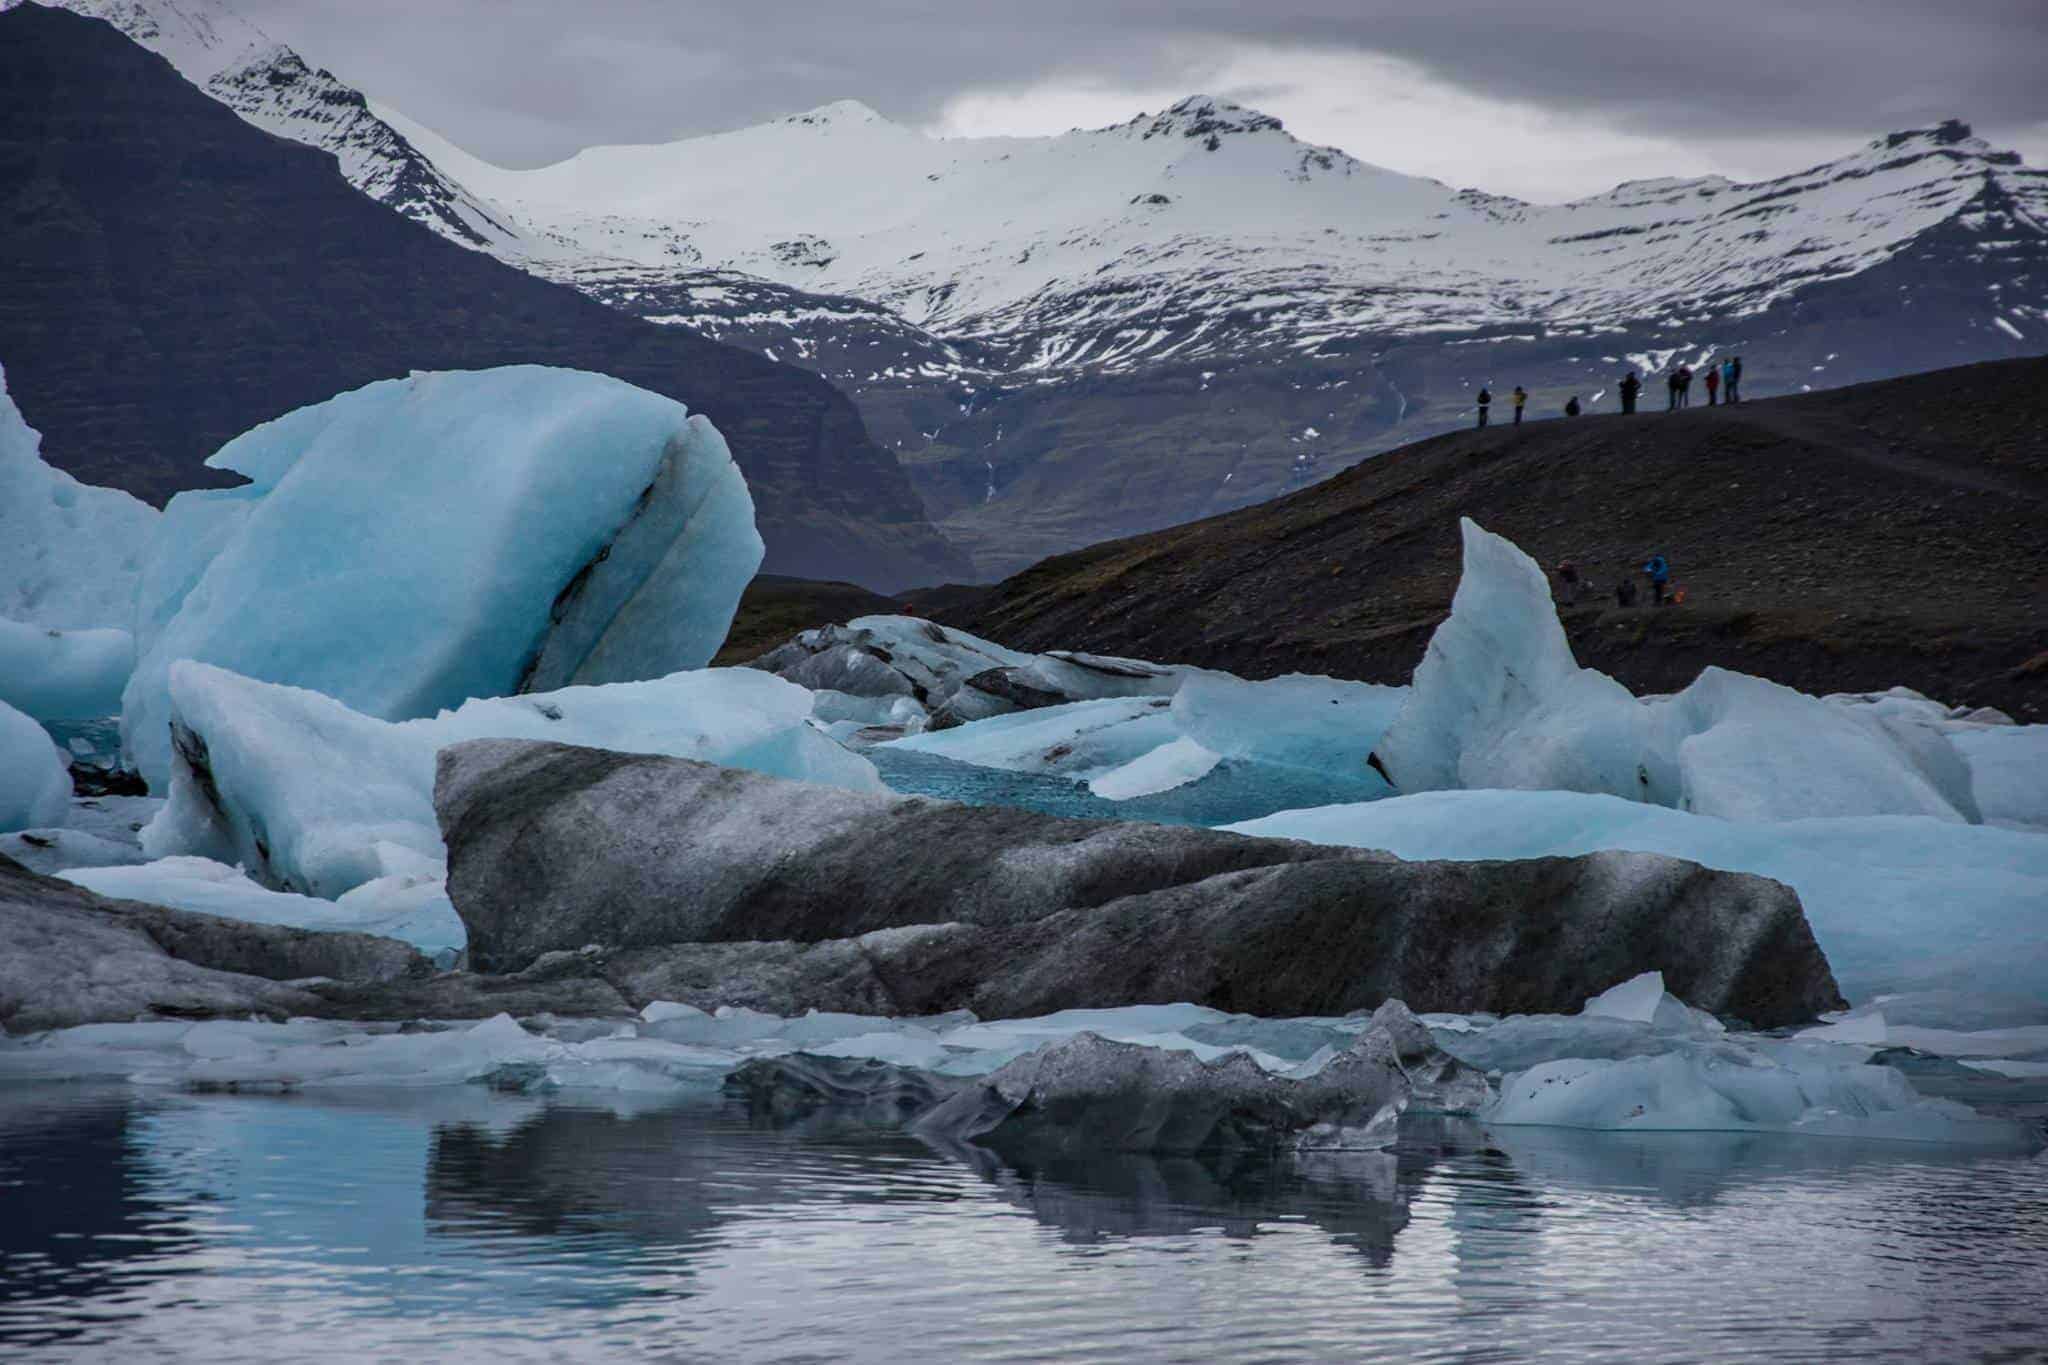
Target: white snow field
point(418, 542)
point(35, 781)
point(1672, 1068)
point(1500, 702)
point(1898, 903)
point(71, 556)
point(318, 799)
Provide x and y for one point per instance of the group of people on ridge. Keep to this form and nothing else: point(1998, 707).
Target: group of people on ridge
point(1726, 375)
point(1575, 587)
point(1521, 400)
point(1723, 377)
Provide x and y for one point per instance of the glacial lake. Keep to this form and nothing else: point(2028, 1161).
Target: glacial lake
point(463, 1224)
point(1234, 791)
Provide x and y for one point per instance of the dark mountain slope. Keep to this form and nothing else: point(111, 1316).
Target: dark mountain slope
point(1889, 533)
point(171, 276)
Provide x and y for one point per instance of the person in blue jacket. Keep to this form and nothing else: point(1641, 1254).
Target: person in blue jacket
point(1731, 379)
point(1659, 573)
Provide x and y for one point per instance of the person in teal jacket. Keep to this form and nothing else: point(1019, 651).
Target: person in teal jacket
point(1659, 572)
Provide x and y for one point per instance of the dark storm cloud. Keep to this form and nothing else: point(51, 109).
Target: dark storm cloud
point(528, 81)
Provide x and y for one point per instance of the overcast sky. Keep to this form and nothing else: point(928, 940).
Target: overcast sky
point(1541, 100)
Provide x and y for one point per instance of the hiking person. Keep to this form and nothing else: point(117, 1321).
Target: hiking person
point(1485, 400)
point(1671, 383)
point(1732, 376)
point(1685, 386)
point(1658, 571)
point(1572, 587)
point(1630, 387)
point(1521, 397)
point(1571, 407)
point(1625, 593)
point(1713, 384)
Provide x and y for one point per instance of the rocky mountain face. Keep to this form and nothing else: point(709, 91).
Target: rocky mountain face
point(1840, 541)
point(231, 58)
point(1073, 338)
point(170, 276)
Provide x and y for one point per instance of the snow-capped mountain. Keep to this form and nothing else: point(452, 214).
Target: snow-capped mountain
point(1065, 338)
point(1209, 226)
point(271, 86)
point(1069, 337)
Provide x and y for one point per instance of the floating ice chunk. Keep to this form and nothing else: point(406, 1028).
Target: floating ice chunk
point(70, 554)
point(1300, 720)
point(829, 707)
point(1897, 903)
point(1727, 1088)
point(1863, 1028)
point(1081, 740)
point(896, 1048)
point(657, 1011)
point(57, 675)
point(35, 781)
point(418, 542)
point(1635, 999)
point(1300, 734)
point(313, 797)
point(2008, 766)
point(1499, 702)
point(50, 851)
point(417, 912)
point(956, 676)
point(1170, 765)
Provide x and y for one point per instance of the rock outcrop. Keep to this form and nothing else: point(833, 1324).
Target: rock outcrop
point(715, 886)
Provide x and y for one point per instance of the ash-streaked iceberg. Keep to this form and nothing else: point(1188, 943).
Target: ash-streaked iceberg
point(1898, 903)
point(955, 677)
point(312, 797)
point(1500, 702)
point(419, 542)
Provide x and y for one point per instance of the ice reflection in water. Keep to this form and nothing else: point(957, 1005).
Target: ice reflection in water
point(464, 1224)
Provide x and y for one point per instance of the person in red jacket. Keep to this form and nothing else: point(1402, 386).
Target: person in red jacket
point(1713, 384)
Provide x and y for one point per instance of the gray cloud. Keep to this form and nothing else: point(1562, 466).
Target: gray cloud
point(529, 81)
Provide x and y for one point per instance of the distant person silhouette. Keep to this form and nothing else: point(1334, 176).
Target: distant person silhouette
point(1521, 397)
point(1713, 384)
point(1571, 408)
point(1671, 384)
point(1658, 571)
point(1685, 386)
point(1731, 375)
point(1485, 401)
point(1630, 387)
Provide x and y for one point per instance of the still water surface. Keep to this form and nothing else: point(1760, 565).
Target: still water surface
point(465, 1225)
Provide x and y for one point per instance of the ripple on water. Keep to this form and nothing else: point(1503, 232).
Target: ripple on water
point(471, 1225)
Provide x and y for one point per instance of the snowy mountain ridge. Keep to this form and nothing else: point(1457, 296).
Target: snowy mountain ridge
point(1201, 307)
point(270, 85)
point(1207, 227)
